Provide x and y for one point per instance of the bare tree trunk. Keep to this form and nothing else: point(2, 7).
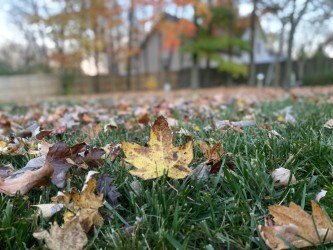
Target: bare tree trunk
point(277, 76)
point(195, 63)
point(231, 30)
point(195, 72)
point(301, 65)
point(252, 65)
point(130, 38)
point(97, 76)
point(210, 31)
point(289, 63)
point(294, 21)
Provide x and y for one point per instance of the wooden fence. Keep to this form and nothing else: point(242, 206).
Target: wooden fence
point(39, 86)
point(108, 83)
point(28, 87)
point(311, 69)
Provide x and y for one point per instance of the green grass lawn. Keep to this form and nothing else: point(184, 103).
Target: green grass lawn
point(221, 212)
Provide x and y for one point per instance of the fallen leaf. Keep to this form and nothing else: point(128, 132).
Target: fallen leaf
point(130, 230)
point(68, 237)
point(220, 124)
point(56, 160)
point(185, 132)
point(3, 144)
point(6, 170)
point(31, 131)
point(213, 155)
point(295, 227)
point(321, 195)
point(160, 155)
point(273, 132)
point(242, 124)
point(202, 171)
point(91, 158)
point(13, 147)
point(86, 205)
point(112, 151)
point(91, 131)
point(290, 118)
point(62, 198)
point(111, 125)
point(108, 189)
point(43, 133)
point(281, 177)
point(47, 210)
point(88, 178)
point(329, 124)
point(286, 115)
point(43, 149)
point(136, 187)
point(24, 179)
point(172, 122)
point(144, 119)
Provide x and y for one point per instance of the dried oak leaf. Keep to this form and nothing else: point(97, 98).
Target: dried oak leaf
point(86, 205)
point(160, 155)
point(294, 227)
point(70, 236)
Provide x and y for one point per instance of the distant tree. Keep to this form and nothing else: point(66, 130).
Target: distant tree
point(290, 13)
point(252, 66)
point(217, 35)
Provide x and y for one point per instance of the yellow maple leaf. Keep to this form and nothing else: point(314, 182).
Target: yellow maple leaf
point(295, 227)
point(69, 236)
point(160, 156)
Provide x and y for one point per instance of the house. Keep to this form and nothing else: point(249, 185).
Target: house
point(151, 59)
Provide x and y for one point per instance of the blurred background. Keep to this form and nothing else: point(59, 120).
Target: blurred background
point(64, 47)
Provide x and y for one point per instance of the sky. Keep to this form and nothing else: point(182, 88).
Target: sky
point(8, 32)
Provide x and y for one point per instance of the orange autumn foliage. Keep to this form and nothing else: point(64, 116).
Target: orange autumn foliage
point(173, 32)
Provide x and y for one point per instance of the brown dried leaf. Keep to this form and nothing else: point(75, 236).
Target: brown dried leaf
point(296, 227)
point(112, 151)
point(93, 158)
point(26, 178)
point(68, 237)
point(6, 170)
point(56, 160)
point(144, 119)
point(86, 205)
